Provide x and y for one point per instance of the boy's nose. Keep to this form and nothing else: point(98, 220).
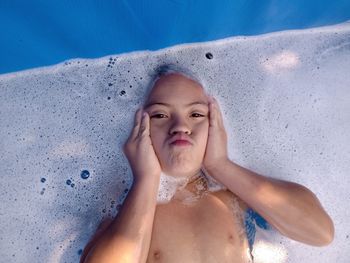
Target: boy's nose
point(180, 126)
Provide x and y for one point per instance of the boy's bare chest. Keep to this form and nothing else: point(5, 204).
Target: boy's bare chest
point(209, 230)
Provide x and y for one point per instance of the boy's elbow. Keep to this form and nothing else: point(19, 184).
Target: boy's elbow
point(323, 225)
point(326, 236)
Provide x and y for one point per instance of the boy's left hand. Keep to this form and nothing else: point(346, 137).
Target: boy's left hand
point(216, 150)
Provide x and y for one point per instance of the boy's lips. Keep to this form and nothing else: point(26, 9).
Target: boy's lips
point(181, 139)
point(181, 143)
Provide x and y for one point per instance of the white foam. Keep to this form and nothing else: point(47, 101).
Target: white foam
point(286, 103)
point(168, 185)
point(212, 184)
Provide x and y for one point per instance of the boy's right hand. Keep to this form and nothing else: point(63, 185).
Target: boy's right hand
point(139, 150)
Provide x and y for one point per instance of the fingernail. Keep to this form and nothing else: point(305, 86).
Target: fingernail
point(144, 114)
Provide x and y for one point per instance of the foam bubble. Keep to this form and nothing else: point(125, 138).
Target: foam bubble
point(213, 185)
point(85, 174)
point(168, 186)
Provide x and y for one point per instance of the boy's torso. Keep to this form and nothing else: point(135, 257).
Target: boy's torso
point(209, 230)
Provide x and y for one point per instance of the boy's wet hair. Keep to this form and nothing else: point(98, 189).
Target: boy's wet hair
point(167, 69)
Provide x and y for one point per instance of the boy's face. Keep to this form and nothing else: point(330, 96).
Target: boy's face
point(178, 108)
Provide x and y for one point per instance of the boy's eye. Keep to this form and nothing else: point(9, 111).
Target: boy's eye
point(196, 115)
point(159, 116)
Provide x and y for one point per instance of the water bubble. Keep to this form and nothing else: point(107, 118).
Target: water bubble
point(68, 182)
point(209, 55)
point(80, 251)
point(43, 180)
point(85, 174)
point(122, 93)
point(72, 185)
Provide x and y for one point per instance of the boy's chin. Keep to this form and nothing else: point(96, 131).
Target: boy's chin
point(178, 172)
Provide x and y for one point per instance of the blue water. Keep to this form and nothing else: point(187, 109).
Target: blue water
point(43, 32)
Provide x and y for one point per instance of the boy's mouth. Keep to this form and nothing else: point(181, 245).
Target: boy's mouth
point(181, 140)
point(181, 143)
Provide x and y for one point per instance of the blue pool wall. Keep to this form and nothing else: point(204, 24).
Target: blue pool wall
point(39, 33)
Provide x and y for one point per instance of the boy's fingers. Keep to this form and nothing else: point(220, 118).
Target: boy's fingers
point(144, 127)
point(137, 113)
point(213, 120)
point(221, 120)
point(211, 114)
point(147, 123)
point(218, 113)
point(137, 122)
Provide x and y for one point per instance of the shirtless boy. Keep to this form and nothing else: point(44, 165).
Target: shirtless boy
point(179, 131)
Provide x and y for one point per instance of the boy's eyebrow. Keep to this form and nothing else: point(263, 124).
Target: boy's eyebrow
point(201, 102)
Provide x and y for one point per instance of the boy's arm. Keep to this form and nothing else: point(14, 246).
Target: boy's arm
point(128, 237)
point(291, 208)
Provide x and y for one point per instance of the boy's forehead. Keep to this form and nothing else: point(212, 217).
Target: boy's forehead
point(176, 83)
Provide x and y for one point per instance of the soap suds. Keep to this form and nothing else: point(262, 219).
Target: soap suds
point(168, 186)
